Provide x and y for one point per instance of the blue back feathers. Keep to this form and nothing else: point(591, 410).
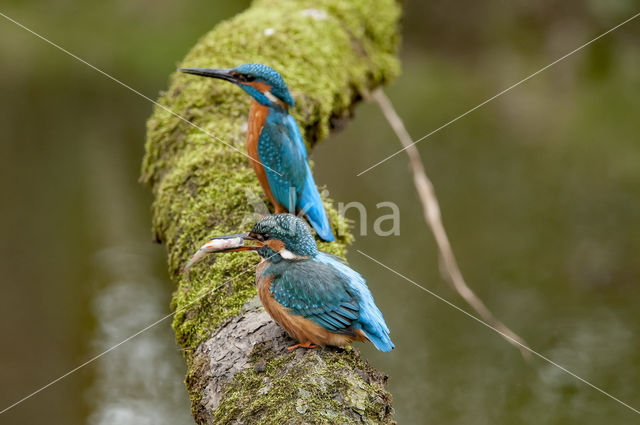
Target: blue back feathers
point(309, 200)
point(370, 321)
point(281, 149)
point(321, 287)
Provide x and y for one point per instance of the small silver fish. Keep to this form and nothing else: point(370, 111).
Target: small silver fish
point(214, 245)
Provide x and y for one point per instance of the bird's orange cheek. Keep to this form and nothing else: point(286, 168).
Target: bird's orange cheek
point(263, 87)
point(276, 246)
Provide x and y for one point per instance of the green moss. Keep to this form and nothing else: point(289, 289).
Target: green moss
point(310, 388)
point(328, 51)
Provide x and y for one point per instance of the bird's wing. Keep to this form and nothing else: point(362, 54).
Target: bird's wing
point(309, 201)
point(317, 292)
point(296, 136)
point(370, 320)
point(286, 162)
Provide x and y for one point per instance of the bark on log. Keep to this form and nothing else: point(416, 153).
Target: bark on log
point(329, 52)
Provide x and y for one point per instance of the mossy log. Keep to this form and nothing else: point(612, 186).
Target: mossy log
point(329, 52)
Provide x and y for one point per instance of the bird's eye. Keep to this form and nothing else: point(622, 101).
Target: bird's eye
point(265, 237)
point(243, 78)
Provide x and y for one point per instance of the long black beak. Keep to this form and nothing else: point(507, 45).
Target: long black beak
point(222, 74)
point(245, 237)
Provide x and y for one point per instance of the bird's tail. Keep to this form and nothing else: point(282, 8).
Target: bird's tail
point(373, 325)
point(381, 340)
point(310, 203)
point(370, 322)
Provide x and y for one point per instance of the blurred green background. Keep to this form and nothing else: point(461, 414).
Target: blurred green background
point(540, 192)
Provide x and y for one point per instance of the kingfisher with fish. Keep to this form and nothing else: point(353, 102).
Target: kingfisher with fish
point(314, 296)
point(274, 143)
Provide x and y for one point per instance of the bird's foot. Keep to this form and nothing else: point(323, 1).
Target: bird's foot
point(307, 344)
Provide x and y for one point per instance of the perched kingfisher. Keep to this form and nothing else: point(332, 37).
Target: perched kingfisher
point(318, 299)
point(274, 143)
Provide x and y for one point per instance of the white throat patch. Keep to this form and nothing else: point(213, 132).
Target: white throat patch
point(274, 99)
point(288, 255)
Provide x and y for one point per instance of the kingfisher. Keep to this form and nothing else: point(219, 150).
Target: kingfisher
point(313, 295)
point(274, 143)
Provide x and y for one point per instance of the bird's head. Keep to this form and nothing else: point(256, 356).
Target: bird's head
point(286, 235)
point(276, 237)
point(262, 82)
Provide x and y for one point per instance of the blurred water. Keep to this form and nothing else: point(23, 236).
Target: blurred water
point(539, 192)
point(542, 210)
point(137, 383)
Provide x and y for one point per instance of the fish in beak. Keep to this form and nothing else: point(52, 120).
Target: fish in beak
point(219, 244)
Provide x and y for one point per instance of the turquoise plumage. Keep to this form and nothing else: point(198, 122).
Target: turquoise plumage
point(331, 294)
point(317, 298)
point(274, 137)
point(370, 319)
point(281, 149)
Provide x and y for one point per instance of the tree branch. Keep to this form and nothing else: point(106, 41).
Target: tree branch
point(431, 208)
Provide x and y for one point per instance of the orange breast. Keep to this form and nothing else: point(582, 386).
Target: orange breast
point(257, 117)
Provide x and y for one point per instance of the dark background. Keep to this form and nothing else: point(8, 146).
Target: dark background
point(539, 192)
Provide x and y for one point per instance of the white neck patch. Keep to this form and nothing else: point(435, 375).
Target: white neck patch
point(288, 255)
point(273, 99)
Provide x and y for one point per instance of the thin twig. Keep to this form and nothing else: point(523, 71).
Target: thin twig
point(432, 216)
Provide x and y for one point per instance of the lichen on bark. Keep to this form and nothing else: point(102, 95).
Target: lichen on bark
point(329, 52)
point(332, 387)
